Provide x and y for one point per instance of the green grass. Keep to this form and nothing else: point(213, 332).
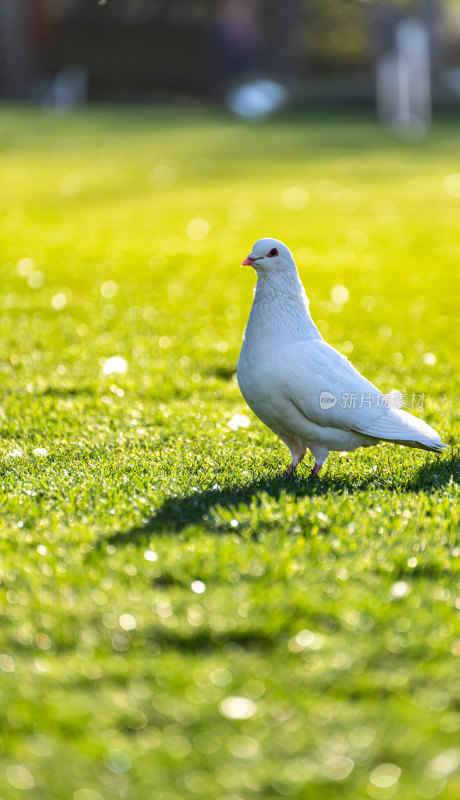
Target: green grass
point(329, 606)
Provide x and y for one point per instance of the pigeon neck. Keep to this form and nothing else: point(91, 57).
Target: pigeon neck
point(280, 310)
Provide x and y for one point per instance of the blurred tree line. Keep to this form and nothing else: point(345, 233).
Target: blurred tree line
point(139, 47)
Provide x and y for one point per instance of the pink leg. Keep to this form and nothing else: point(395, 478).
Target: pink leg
point(292, 467)
point(316, 469)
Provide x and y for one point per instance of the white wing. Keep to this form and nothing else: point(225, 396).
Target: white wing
point(326, 389)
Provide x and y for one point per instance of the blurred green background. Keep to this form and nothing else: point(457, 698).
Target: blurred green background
point(177, 620)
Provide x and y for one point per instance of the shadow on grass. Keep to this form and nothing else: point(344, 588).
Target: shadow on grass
point(177, 513)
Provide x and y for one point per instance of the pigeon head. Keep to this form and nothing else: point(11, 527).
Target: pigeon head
point(270, 256)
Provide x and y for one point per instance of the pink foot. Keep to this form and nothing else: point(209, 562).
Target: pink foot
point(292, 467)
point(316, 469)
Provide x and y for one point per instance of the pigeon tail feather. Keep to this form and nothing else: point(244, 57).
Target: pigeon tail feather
point(400, 427)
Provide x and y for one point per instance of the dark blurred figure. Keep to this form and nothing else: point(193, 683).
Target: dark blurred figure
point(236, 42)
point(16, 52)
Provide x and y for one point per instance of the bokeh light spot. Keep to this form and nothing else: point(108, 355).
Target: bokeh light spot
point(237, 707)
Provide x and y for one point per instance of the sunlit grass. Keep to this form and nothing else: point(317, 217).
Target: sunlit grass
point(176, 620)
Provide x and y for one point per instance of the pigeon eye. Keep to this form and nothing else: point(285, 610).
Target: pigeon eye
point(273, 252)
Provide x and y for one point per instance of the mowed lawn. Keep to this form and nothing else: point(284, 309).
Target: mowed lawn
point(176, 620)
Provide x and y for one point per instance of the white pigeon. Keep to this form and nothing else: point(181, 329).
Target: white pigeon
point(299, 386)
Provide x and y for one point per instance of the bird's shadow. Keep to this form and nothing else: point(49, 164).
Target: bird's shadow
point(193, 508)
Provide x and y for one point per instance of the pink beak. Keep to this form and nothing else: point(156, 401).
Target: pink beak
point(249, 260)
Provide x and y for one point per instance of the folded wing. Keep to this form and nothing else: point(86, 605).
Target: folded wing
point(326, 388)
